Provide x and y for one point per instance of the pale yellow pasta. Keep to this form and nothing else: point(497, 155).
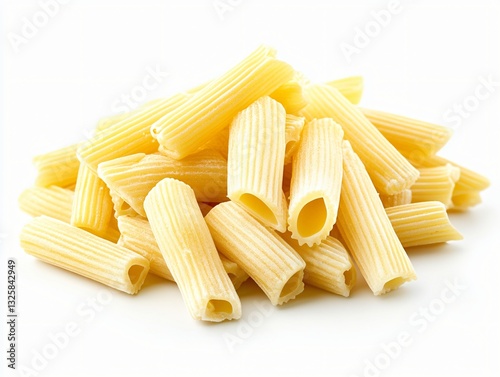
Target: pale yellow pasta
point(423, 223)
point(468, 181)
point(107, 121)
point(237, 274)
point(255, 162)
point(403, 197)
point(192, 124)
point(128, 136)
point(351, 87)
point(463, 201)
point(367, 231)
point(435, 184)
point(57, 168)
point(290, 96)
point(388, 169)
point(413, 138)
point(136, 235)
point(83, 253)
point(92, 205)
point(293, 129)
point(189, 251)
point(265, 256)
point(112, 232)
point(316, 182)
point(120, 206)
point(53, 201)
point(328, 265)
point(219, 143)
point(132, 177)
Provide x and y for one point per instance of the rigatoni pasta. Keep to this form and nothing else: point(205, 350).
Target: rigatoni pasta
point(435, 184)
point(255, 162)
point(328, 265)
point(136, 235)
point(189, 251)
point(132, 177)
point(275, 267)
point(368, 232)
point(128, 136)
point(57, 168)
point(403, 197)
point(290, 96)
point(83, 253)
point(415, 139)
point(53, 201)
point(351, 87)
point(316, 182)
point(388, 169)
point(194, 123)
point(92, 205)
point(423, 223)
point(248, 175)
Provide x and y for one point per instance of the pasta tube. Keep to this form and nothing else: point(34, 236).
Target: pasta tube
point(92, 206)
point(265, 256)
point(463, 201)
point(128, 136)
point(219, 143)
point(57, 168)
point(328, 265)
point(350, 87)
point(403, 197)
point(411, 137)
point(290, 96)
point(435, 184)
point(189, 251)
point(136, 235)
point(388, 169)
point(316, 182)
point(468, 181)
point(132, 177)
point(53, 201)
point(423, 223)
point(255, 162)
point(192, 124)
point(293, 130)
point(367, 231)
point(83, 253)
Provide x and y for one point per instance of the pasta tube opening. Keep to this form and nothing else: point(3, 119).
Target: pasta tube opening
point(259, 208)
point(312, 217)
point(292, 288)
point(350, 277)
point(393, 284)
point(218, 309)
point(135, 273)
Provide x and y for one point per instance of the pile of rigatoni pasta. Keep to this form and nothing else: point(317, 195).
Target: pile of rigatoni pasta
point(253, 174)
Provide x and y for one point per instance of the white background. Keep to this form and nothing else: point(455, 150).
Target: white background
point(77, 67)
